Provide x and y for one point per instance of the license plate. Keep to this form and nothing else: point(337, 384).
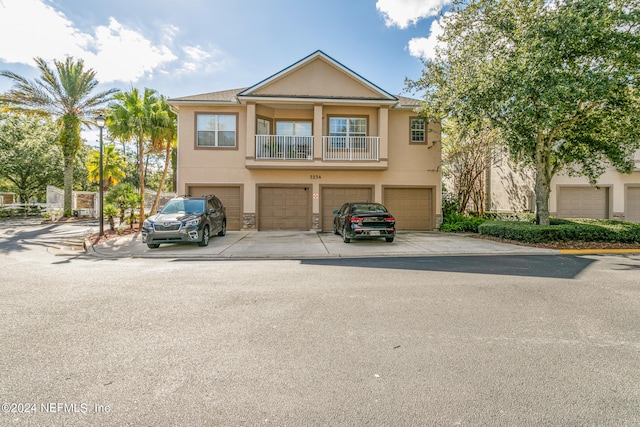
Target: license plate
point(374, 233)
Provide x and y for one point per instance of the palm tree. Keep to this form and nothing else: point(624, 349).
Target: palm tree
point(164, 138)
point(131, 119)
point(65, 94)
point(112, 166)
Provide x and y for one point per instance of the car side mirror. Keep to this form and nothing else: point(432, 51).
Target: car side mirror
point(336, 212)
point(211, 211)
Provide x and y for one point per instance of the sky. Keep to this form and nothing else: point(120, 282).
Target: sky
point(189, 47)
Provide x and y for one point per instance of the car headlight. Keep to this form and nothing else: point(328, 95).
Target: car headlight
point(192, 222)
point(147, 223)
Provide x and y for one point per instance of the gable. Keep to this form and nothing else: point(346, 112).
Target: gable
point(318, 76)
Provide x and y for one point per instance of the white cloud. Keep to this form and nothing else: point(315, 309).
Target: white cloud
point(425, 47)
point(115, 52)
point(122, 54)
point(30, 28)
point(403, 13)
point(201, 59)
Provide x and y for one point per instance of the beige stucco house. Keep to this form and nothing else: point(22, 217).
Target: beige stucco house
point(615, 196)
point(289, 150)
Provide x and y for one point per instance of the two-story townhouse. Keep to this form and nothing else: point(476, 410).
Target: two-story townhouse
point(615, 196)
point(288, 151)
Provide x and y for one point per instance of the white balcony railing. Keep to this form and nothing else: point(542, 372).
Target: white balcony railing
point(350, 147)
point(284, 147)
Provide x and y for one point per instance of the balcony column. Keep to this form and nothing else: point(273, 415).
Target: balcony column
point(251, 131)
point(317, 132)
point(383, 132)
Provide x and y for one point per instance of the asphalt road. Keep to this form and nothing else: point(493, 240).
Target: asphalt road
point(525, 339)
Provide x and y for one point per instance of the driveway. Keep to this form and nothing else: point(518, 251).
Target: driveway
point(301, 244)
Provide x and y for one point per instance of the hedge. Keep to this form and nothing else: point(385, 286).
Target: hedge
point(563, 230)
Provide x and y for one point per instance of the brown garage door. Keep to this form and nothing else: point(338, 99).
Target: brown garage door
point(333, 198)
point(632, 206)
point(284, 208)
point(231, 198)
point(583, 202)
point(412, 207)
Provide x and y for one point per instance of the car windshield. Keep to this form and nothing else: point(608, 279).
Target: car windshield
point(368, 207)
point(183, 206)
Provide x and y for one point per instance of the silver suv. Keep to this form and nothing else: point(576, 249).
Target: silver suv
point(186, 219)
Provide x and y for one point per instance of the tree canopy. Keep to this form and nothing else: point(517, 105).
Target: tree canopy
point(558, 79)
point(66, 93)
point(29, 157)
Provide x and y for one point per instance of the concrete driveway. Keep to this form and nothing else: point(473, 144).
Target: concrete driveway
point(300, 244)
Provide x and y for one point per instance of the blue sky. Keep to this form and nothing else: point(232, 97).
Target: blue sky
point(188, 47)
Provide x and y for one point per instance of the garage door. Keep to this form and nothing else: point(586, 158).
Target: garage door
point(231, 198)
point(633, 204)
point(332, 198)
point(412, 207)
point(583, 202)
point(284, 208)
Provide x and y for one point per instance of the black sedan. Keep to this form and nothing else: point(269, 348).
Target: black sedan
point(364, 220)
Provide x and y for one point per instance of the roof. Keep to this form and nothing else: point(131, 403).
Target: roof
point(253, 93)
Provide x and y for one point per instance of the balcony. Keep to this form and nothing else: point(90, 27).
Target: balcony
point(281, 147)
point(297, 152)
point(351, 148)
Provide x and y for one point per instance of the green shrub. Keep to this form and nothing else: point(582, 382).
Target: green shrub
point(564, 230)
point(461, 223)
point(510, 216)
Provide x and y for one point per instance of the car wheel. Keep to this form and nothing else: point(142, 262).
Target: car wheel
point(389, 239)
point(335, 228)
point(205, 236)
point(153, 245)
point(345, 236)
point(223, 231)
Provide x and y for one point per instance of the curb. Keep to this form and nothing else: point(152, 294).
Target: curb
point(598, 251)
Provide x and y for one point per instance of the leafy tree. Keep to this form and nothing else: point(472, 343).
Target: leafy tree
point(466, 158)
point(164, 137)
point(558, 79)
point(112, 166)
point(131, 118)
point(124, 196)
point(29, 157)
point(65, 93)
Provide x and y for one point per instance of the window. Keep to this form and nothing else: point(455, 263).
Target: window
point(216, 130)
point(290, 128)
point(346, 131)
point(264, 126)
point(418, 130)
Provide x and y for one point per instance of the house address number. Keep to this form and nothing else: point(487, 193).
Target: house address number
point(315, 176)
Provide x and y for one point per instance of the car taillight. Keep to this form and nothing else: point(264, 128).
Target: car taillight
point(390, 219)
point(357, 220)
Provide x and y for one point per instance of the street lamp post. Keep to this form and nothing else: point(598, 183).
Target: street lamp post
point(100, 121)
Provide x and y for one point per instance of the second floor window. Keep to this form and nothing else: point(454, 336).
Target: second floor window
point(418, 130)
point(216, 130)
point(345, 132)
point(293, 128)
point(347, 126)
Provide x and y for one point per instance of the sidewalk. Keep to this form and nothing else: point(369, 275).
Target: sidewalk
point(301, 244)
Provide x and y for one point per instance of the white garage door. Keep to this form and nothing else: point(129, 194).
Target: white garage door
point(411, 207)
point(332, 198)
point(583, 202)
point(231, 198)
point(632, 204)
point(284, 208)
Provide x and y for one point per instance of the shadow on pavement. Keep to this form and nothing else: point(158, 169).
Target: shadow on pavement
point(556, 266)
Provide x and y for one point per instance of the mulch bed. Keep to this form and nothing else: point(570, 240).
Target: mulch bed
point(109, 234)
point(566, 245)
